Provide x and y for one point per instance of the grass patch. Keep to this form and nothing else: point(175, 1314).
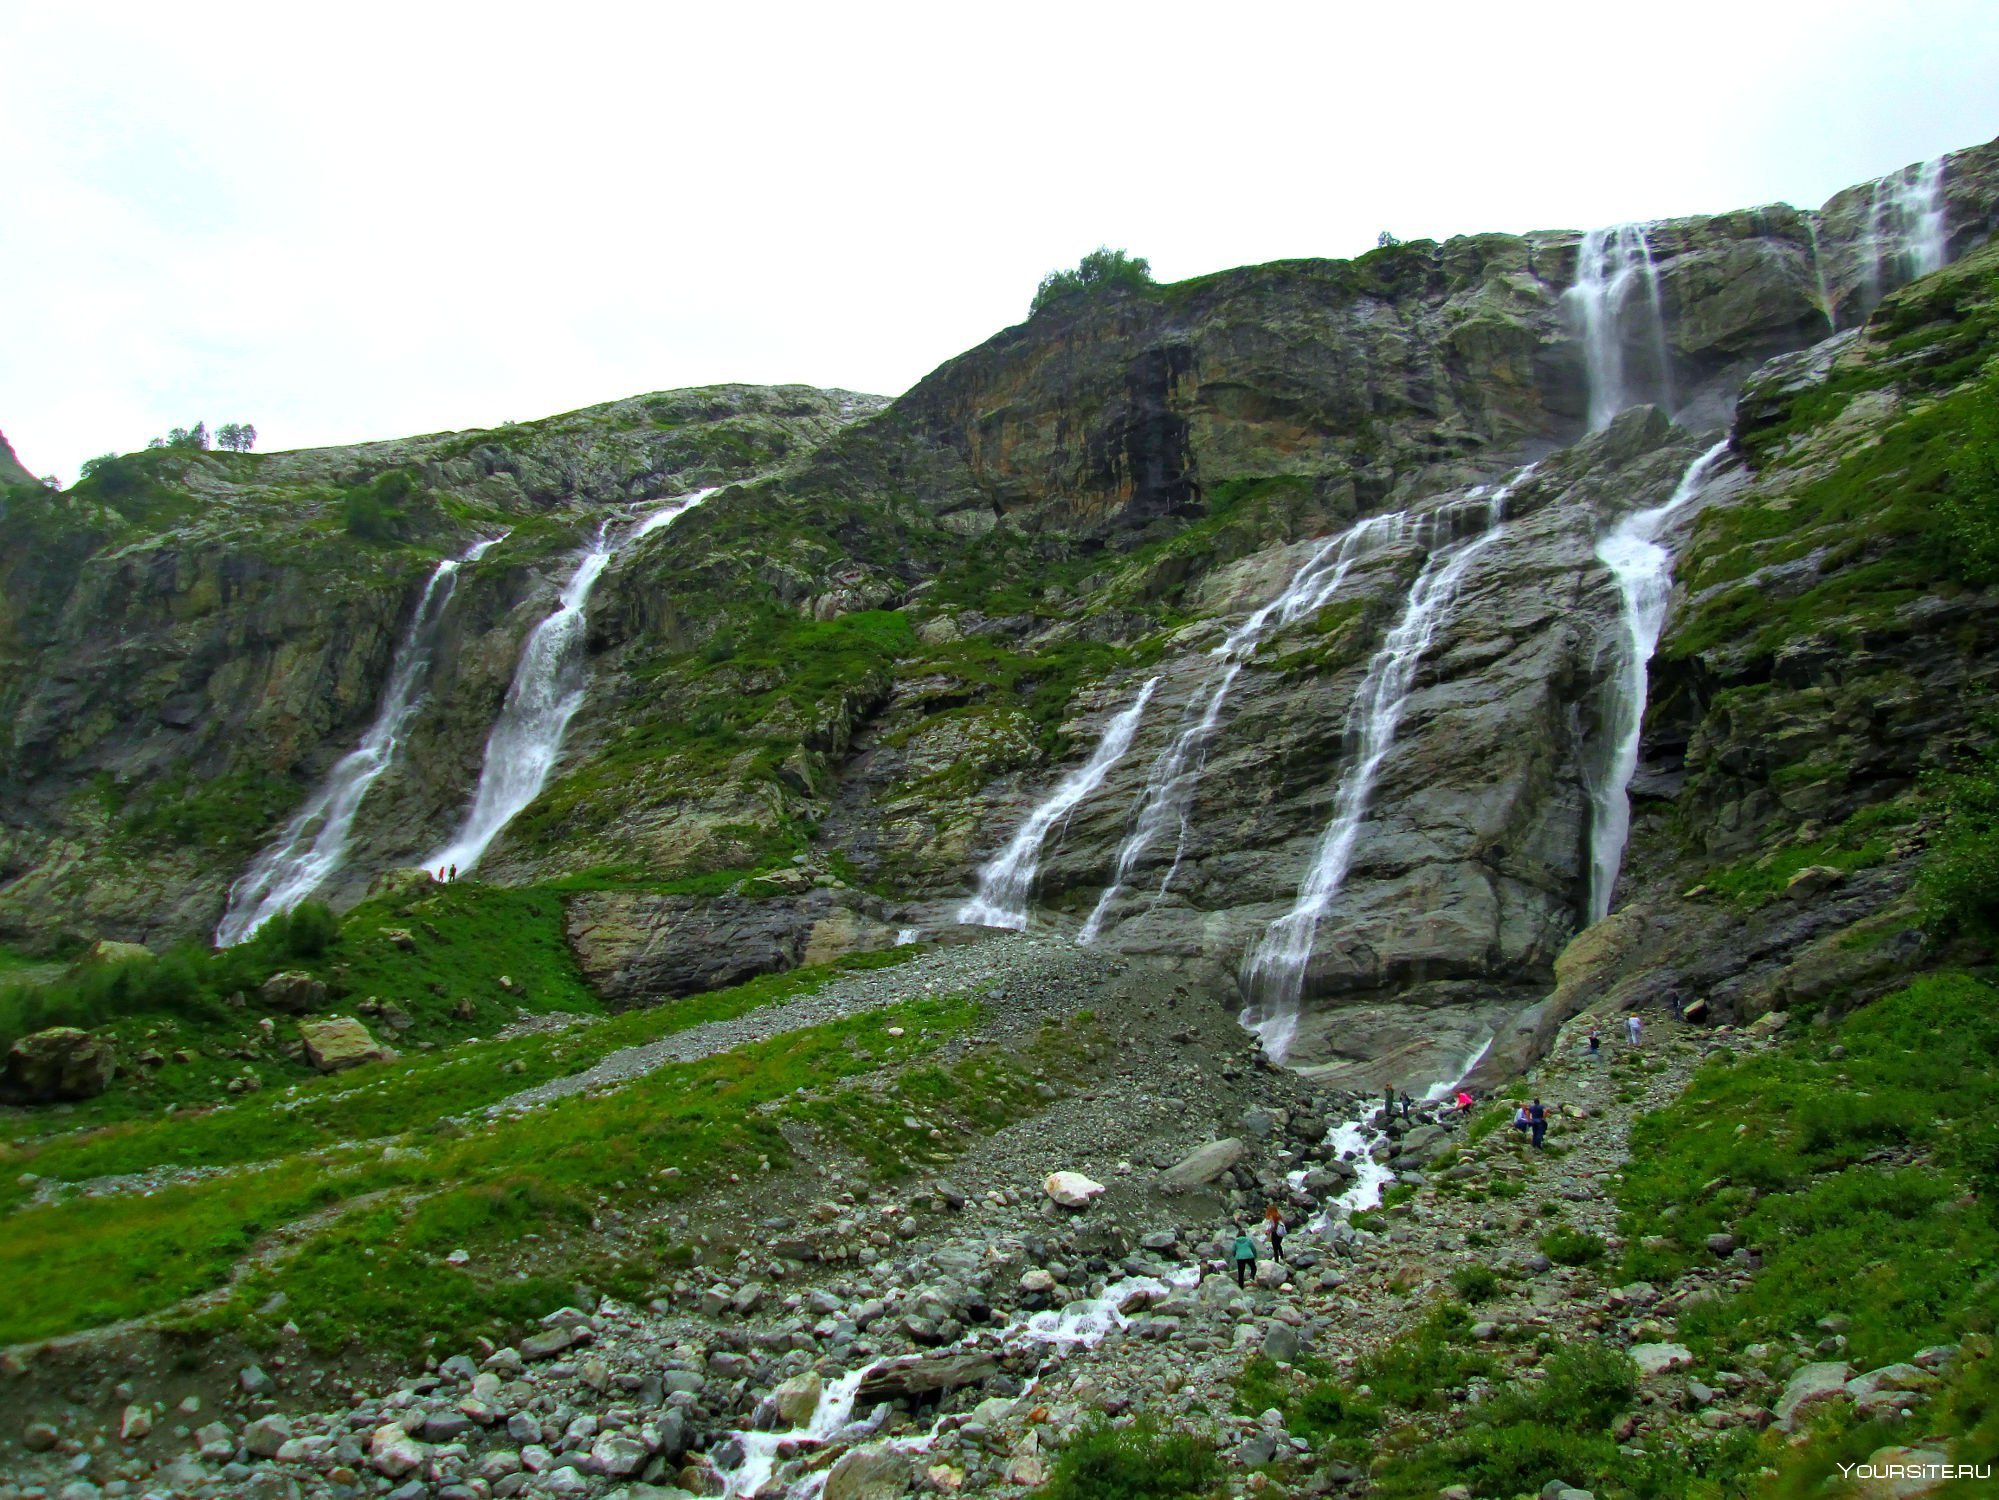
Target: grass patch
point(1316, 1405)
point(1865, 1180)
point(1573, 1247)
point(1134, 1462)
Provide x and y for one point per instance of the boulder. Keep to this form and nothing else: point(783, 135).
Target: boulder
point(1898, 1473)
point(1071, 1189)
point(1816, 1384)
point(293, 992)
point(798, 1398)
point(1203, 1166)
point(340, 1042)
point(922, 1375)
point(62, 1062)
point(875, 1471)
point(395, 882)
point(1656, 1359)
point(394, 1452)
point(1813, 879)
point(106, 951)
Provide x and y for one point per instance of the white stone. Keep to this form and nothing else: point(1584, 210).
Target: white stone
point(1071, 1189)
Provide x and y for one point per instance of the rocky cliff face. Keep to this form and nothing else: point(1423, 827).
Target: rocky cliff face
point(819, 703)
point(191, 638)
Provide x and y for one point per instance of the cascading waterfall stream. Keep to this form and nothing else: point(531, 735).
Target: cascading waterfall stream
point(314, 844)
point(1168, 795)
point(546, 692)
point(1644, 573)
point(1081, 1324)
point(1008, 879)
point(1612, 265)
point(1906, 231)
point(1274, 974)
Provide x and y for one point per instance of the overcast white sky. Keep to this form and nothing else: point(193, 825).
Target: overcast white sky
point(371, 220)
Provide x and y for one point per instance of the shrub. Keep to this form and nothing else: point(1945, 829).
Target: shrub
point(1968, 512)
point(1959, 884)
point(310, 930)
point(1134, 1463)
point(1101, 268)
point(1475, 1283)
point(1573, 1247)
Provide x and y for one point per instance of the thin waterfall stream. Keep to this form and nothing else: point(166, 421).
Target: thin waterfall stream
point(1644, 573)
point(547, 690)
point(1274, 974)
point(1007, 880)
point(313, 846)
point(1167, 798)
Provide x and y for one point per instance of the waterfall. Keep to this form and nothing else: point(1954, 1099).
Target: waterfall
point(1906, 235)
point(1274, 975)
point(314, 843)
point(1644, 573)
point(1818, 273)
point(545, 694)
point(1004, 883)
point(1612, 264)
point(1168, 795)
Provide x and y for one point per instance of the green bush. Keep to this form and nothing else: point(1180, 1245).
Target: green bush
point(310, 929)
point(1101, 268)
point(1573, 1247)
point(383, 509)
point(1959, 884)
point(1419, 1371)
point(1475, 1283)
point(1137, 1462)
point(1968, 511)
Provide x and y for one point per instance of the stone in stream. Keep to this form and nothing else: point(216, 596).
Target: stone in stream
point(874, 1472)
point(923, 1375)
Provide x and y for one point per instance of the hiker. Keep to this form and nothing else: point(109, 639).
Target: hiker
point(440, 874)
point(1595, 1042)
point(1677, 1005)
point(1388, 1102)
point(1245, 1256)
point(1464, 1102)
point(1631, 1028)
point(1407, 1104)
point(454, 872)
point(1537, 1119)
point(1520, 1119)
point(1273, 1220)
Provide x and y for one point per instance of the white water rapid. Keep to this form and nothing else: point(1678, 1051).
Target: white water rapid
point(1083, 1323)
point(1905, 228)
point(1008, 879)
point(1644, 573)
point(1168, 795)
point(546, 691)
point(314, 844)
point(1274, 975)
point(1614, 304)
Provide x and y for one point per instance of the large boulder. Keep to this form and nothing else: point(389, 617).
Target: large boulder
point(1203, 1165)
point(876, 1471)
point(1820, 1384)
point(62, 1062)
point(340, 1042)
point(293, 992)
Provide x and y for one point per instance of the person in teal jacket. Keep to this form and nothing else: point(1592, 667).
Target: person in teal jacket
point(1245, 1256)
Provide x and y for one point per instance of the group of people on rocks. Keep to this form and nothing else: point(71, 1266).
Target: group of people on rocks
point(1530, 1119)
point(1243, 1251)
